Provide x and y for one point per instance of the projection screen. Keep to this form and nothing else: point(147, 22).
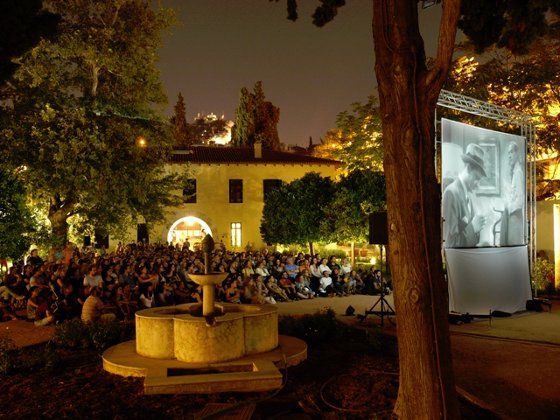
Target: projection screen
point(483, 186)
point(484, 219)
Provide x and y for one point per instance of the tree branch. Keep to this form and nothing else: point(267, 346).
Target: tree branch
point(446, 45)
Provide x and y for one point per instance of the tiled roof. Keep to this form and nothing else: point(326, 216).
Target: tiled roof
point(220, 154)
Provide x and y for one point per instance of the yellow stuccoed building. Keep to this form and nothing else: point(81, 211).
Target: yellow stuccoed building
point(225, 193)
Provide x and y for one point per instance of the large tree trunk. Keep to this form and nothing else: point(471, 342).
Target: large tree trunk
point(408, 93)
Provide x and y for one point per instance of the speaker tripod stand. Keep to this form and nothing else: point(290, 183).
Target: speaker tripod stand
point(384, 310)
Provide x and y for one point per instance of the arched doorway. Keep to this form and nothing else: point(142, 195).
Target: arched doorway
point(188, 228)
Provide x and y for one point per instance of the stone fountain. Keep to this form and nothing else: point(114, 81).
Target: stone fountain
point(213, 347)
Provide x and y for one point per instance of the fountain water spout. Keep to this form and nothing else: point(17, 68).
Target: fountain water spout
point(208, 281)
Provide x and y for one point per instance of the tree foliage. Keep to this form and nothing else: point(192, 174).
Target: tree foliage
point(179, 123)
point(256, 120)
point(294, 213)
point(357, 195)
point(82, 102)
point(357, 140)
point(17, 225)
point(22, 24)
point(317, 209)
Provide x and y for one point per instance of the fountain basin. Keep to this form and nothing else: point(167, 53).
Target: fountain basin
point(179, 332)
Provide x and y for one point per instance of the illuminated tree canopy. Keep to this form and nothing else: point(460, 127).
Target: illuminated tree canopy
point(79, 104)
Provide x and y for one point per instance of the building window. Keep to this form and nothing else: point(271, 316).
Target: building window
point(269, 185)
point(236, 234)
point(189, 191)
point(236, 191)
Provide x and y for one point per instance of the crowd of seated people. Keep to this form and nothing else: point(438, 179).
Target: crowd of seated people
point(97, 287)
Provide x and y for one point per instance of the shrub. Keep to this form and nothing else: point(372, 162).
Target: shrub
point(72, 334)
point(312, 328)
point(7, 354)
point(543, 275)
point(106, 334)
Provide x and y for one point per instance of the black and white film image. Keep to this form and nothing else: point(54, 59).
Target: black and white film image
point(483, 186)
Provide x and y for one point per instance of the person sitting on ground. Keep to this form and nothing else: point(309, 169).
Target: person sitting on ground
point(337, 281)
point(248, 290)
point(69, 305)
point(248, 269)
point(291, 268)
point(371, 286)
point(147, 298)
point(94, 310)
point(333, 262)
point(145, 276)
point(285, 282)
point(325, 285)
point(232, 294)
point(323, 266)
point(124, 307)
point(277, 268)
point(350, 282)
point(262, 294)
point(33, 303)
point(43, 313)
point(276, 291)
point(345, 266)
point(315, 274)
point(303, 290)
point(262, 270)
point(92, 279)
point(34, 259)
point(13, 286)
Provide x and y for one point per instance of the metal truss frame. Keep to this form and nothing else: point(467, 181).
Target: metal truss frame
point(483, 109)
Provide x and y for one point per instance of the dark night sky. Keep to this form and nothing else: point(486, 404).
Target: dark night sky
point(310, 73)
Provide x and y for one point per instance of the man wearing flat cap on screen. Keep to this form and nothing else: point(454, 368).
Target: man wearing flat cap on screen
point(461, 226)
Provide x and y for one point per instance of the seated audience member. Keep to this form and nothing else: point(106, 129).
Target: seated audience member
point(325, 285)
point(323, 266)
point(69, 304)
point(345, 266)
point(302, 289)
point(125, 305)
point(262, 270)
point(277, 268)
point(13, 286)
point(33, 303)
point(337, 281)
point(147, 298)
point(34, 259)
point(164, 294)
point(184, 295)
point(349, 284)
point(286, 284)
point(276, 291)
point(332, 263)
point(315, 274)
point(92, 280)
point(371, 283)
point(232, 294)
point(248, 289)
point(248, 269)
point(262, 294)
point(94, 310)
point(291, 268)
